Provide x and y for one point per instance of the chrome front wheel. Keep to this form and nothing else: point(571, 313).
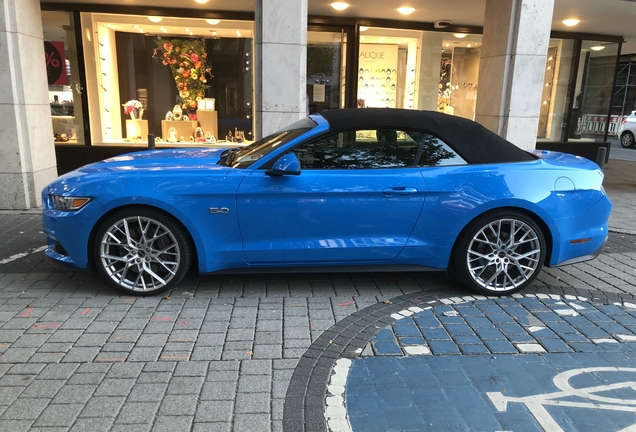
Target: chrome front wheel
point(500, 253)
point(142, 254)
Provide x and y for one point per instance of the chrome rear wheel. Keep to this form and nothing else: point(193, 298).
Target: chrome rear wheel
point(142, 254)
point(500, 253)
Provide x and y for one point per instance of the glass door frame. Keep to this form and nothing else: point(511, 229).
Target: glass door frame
point(351, 50)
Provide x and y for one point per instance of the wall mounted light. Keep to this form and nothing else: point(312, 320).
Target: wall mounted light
point(460, 35)
point(155, 19)
point(597, 48)
point(212, 21)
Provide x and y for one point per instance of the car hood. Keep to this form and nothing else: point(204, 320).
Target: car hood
point(190, 158)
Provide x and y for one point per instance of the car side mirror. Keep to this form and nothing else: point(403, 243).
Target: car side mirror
point(285, 165)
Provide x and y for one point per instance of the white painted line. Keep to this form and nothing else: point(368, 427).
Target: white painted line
point(457, 299)
point(535, 329)
point(555, 296)
point(451, 313)
point(531, 295)
point(577, 306)
point(570, 297)
point(336, 411)
point(446, 301)
point(479, 297)
point(22, 255)
point(543, 296)
point(469, 298)
point(417, 350)
point(530, 348)
point(629, 305)
point(583, 299)
point(600, 341)
point(405, 312)
point(517, 295)
point(397, 316)
point(627, 338)
point(567, 312)
point(416, 309)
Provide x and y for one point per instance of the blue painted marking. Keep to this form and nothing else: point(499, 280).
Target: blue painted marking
point(557, 392)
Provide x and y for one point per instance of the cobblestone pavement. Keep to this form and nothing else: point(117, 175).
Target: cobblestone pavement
point(239, 352)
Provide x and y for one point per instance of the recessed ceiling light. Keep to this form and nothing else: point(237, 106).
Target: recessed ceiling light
point(201, 1)
point(570, 22)
point(339, 5)
point(364, 28)
point(460, 35)
point(164, 30)
point(155, 19)
point(406, 10)
point(212, 21)
point(135, 26)
point(597, 48)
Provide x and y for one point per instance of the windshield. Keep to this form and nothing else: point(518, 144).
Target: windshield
point(245, 156)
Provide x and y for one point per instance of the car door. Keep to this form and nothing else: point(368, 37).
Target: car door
point(357, 199)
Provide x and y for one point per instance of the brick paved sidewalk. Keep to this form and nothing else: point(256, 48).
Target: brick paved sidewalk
point(220, 352)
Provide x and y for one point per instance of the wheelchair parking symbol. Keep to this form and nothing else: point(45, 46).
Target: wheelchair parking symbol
point(591, 397)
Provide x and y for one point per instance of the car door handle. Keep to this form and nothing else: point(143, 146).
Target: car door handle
point(399, 191)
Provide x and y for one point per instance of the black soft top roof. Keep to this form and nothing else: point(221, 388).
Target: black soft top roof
point(473, 142)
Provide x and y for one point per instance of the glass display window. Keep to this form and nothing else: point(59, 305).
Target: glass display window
point(183, 80)
point(593, 90)
point(424, 70)
point(326, 70)
point(63, 74)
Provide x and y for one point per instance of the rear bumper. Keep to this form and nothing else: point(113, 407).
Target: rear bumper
point(592, 226)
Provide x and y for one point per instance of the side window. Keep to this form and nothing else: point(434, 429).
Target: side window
point(435, 152)
point(360, 149)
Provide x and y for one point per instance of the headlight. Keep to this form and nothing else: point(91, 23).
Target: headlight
point(66, 203)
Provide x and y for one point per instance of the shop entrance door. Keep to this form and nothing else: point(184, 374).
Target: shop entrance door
point(326, 68)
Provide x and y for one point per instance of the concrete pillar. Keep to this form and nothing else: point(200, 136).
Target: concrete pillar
point(281, 64)
point(513, 60)
point(27, 152)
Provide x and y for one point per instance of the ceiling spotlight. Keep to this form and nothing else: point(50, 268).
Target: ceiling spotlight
point(364, 28)
point(460, 35)
point(406, 10)
point(201, 1)
point(570, 22)
point(597, 48)
point(339, 5)
point(155, 19)
point(212, 21)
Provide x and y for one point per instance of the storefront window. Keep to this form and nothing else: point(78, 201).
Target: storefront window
point(419, 70)
point(325, 70)
point(65, 88)
point(182, 80)
point(557, 86)
point(593, 92)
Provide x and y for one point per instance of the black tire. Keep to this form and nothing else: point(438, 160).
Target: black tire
point(627, 140)
point(141, 264)
point(486, 261)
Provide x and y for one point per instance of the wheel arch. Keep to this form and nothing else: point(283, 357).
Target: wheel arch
point(194, 264)
point(545, 229)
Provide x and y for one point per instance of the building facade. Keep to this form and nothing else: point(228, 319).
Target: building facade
point(92, 80)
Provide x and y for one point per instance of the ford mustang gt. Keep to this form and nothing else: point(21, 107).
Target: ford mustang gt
point(346, 190)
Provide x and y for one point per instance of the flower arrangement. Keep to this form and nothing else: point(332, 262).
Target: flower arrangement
point(444, 96)
point(187, 61)
point(132, 105)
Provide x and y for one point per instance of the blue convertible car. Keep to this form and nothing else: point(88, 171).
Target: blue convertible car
point(371, 189)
